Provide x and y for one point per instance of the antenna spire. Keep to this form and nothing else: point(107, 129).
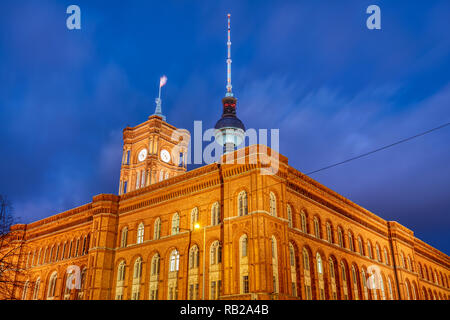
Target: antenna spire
point(229, 86)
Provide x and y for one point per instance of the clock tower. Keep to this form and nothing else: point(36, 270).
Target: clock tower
point(152, 152)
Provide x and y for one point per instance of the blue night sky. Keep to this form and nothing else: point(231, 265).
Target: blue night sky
point(310, 68)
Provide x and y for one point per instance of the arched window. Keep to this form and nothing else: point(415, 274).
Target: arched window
point(377, 248)
point(408, 297)
point(344, 281)
point(414, 292)
point(289, 214)
point(157, 229)
point(244, 246)
point(82, 284)
point(155, 265)
point(175, 224)
point(355, 283)
point(194, 217)
point(215, 214)
point(305, 259)
point(319, 264)
point(216, 253)
point(364, 284)
point(361, 247)
point(340, 239)
point(27, 265)
point(123, 241)
point(137, 270)
point(273, 204)
point(39, 256)
point(52, 286)
point(242, 203)
point(332, 279)
point(161, 175)
point(45, 256)
point(25, 290)
point(83, 248)
point(386, 256)
point(293, 270)
point(36, 289)
point(120, 280)
point(121, 271)
point(275, 264)
point(391, 293)
point(320, 277)
point(291, 255)
point(140, 233)
point(307, 275)
point(369, 249)
point(166, 176)
point(64, 252)
point(383, 293)
point(350, 241)
point(410, 263)
point(137, 273)
point(304, 225)
point(174, 261)
point(193, 257)
point(316, 228)
point(402, 258)
point(329, 233)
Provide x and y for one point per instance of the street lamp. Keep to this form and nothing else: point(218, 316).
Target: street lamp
point(196, 226)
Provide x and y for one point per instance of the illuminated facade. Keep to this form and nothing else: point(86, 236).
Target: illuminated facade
point(281, 236)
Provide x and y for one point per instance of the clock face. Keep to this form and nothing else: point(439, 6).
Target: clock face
point(165, 155)
point(142, 155)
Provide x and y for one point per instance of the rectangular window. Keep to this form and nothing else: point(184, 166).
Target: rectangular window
point(245, 284)
point(213, 290)
point(138, 174)
point(294, 289)
point(125, 184)
point(191, 291)
point(142, 178)
point(196, 291)
point(128, 157)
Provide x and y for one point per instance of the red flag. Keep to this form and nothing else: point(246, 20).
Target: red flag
point(162, 81)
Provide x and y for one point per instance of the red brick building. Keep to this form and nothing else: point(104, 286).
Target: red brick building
point(222, 231)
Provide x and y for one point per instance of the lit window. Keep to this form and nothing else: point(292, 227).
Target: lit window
point(175, 224)
point(289, 214)
point(215, 214)
point(194, 217)
point(304, 226)
point(329, 233)
point(157, 229)
point(174, 261)
point(140, 234)
point(316, 228)
point(242, 204)
point(273, 204)
point(123, 242)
